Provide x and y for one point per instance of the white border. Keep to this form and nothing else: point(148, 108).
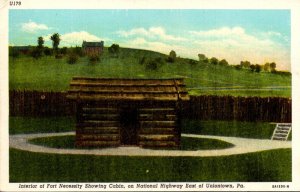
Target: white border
point(293, 5)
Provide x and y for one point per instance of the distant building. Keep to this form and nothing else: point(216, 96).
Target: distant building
point(93, 48)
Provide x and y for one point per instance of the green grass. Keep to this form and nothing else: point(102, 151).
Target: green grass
point(38, 167)
point(68, 142)
point(53, 74)
point(258, 130)
point(229, 128)
point(18, 125)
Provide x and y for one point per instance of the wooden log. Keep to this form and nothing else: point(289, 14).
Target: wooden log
point(157, 130)
point(98, 130)
point(153, 124)
point(157, 144)
point(98, 137)
point(97, 143)
point(151, 137)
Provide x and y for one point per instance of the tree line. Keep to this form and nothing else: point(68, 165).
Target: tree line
point(72, 53)
point(267, 67)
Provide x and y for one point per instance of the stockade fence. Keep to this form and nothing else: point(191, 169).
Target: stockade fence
point(36, 103)
point(269, 109)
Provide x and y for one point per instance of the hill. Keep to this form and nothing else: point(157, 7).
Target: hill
point(50, 74)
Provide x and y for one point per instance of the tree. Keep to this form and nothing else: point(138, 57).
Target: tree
point(273, 67)
point(201, 57)
point(41, 42)
point(245, 64)
point(267, 67)
point(214, 61)
point(252, 67)
point(114, 50)
point(172, 57)
point(55, 41)
point(257, 68)
point(223, 62)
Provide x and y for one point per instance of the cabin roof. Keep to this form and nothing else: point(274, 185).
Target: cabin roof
point(96, 89)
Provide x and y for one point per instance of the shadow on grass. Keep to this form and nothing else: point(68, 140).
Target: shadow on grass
point(187, 144)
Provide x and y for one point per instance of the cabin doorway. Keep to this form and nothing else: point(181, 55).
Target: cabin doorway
point(129, 125)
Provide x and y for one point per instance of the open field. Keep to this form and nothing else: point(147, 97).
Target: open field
point(53, 74)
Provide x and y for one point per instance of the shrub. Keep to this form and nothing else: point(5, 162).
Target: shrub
point(154, 64)
point(238, 67)
point(78, 51)
point(192, 62)
point(59, 56)
point(47, 51)
point(72, 58)
point(64, 50)
point(94, 58)
point(14, 53)
point(36, 53)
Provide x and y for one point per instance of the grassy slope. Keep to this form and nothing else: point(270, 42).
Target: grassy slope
point(49, 73)
point(37, 167)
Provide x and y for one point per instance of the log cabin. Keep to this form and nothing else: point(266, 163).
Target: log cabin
point(127, 112)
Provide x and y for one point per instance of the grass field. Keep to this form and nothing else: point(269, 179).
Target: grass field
point(37, 167)
point(19, 125)
point(257, 130)
point(53, 74)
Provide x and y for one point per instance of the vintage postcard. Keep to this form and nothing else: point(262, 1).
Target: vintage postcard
point(149, 95)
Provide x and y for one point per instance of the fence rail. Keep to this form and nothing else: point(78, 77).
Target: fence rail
point(270, 109)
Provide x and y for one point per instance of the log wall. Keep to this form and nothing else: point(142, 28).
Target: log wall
point(269, 109)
